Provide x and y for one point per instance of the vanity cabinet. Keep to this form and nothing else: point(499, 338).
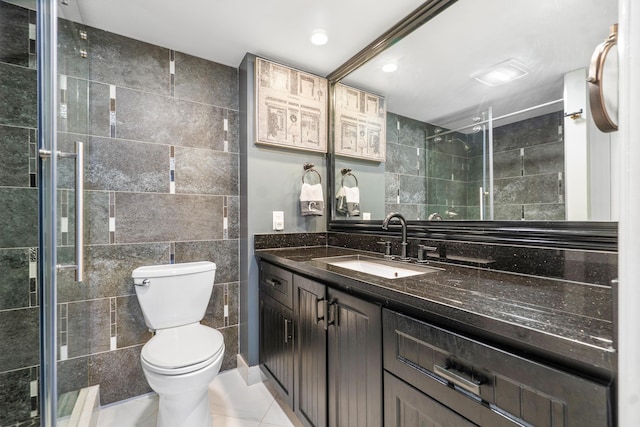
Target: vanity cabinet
point(338, 357)
point(332, 347)
point(276, 328)
point(437, 375)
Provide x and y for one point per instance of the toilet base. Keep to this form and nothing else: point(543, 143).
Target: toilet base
point(183, 399)
point(185, 410)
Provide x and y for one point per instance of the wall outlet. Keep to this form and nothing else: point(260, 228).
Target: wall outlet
point(366, 216)
point(278, 220)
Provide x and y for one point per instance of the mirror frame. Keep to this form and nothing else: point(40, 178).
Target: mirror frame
point(583, 235)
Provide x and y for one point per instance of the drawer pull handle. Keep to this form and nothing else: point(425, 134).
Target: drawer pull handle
point(287, 331)
point(451, 375)
point(273, 282)
point(324, 311)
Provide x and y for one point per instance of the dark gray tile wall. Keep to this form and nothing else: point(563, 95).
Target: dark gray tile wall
point(161, 186)
point(444, 176)
point(529, 169)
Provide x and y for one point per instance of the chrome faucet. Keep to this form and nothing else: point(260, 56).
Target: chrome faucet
point(403, 223)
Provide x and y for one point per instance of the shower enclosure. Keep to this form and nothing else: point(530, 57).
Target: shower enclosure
point(41, 189)
point(507, 167)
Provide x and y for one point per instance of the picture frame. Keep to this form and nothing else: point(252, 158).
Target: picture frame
point(360, 124)
point(291, 107)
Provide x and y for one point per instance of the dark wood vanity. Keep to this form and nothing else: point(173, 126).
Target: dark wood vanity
point(463, 346)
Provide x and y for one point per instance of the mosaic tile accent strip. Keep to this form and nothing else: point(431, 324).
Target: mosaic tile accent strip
point(225, 218)
point(226, 304)
point(33, 159)
point(33, 277)
point(64, 217)
point(62, 109)
point(112, 111)
point(112, 217)
point(172, 170)
point(32, 45)
point(560, 188)
point(33, 391)
point(113, 306)
point(172, 71)
point(225, 133)
point(64, 330)
point(172, 253)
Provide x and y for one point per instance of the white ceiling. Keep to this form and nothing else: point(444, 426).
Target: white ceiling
point(224, 30)
point(433, 82)
point(435, 63)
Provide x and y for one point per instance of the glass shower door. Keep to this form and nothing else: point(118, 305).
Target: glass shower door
point(42, 108)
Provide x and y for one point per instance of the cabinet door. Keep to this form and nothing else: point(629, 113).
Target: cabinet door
point(310, 366)
point(276, 344)
point(355, 362)
point(405, 406)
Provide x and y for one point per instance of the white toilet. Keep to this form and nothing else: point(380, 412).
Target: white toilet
point(184, 356)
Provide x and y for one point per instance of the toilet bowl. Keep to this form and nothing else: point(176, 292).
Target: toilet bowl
point(183, 357)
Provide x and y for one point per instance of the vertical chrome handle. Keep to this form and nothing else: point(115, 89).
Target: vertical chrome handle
point(481, 203)
point(79, 265)
point(79, 211)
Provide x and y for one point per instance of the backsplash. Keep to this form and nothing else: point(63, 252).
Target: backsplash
point(593, 267)
point(160, 130)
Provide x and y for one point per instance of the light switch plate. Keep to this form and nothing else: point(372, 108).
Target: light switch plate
point(278, 220)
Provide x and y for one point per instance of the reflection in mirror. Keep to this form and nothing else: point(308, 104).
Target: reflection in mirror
point(488, 118)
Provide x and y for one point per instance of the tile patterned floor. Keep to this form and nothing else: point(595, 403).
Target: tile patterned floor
point(232, 403)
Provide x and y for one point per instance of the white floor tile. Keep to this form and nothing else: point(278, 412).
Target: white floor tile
point(222, 421)
point(232, 404)
point(231, 397)
point(276, 416)
point(141, 412)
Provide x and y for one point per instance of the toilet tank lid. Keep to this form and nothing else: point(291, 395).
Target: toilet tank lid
point(163, 270)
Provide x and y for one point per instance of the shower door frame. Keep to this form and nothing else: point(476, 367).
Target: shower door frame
point(47, 28)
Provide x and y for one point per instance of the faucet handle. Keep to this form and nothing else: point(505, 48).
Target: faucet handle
point(422, 252)
point(387, 248)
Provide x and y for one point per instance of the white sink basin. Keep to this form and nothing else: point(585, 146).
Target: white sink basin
point(377, 267)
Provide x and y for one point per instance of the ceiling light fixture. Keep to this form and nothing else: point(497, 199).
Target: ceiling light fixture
point(502, 73)
point(389, 68)
point(319, 37)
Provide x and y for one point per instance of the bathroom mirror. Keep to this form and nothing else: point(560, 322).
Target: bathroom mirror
point(487, 115)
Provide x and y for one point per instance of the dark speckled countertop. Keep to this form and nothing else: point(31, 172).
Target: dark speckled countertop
point(565, 322)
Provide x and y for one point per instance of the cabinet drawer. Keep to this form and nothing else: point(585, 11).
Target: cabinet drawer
point(505, 386)
point(277, 283)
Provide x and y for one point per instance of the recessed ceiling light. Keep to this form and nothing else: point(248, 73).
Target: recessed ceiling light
point(389, 68)
point(502, 73)
point(319, 37)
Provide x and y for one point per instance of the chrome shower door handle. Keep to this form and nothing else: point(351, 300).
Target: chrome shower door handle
point(79, 265)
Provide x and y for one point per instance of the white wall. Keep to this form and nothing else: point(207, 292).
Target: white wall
point(629, 212)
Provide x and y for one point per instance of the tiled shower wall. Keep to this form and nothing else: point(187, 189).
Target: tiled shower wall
point(160, 130)
point(423, 177)
point(445, 177)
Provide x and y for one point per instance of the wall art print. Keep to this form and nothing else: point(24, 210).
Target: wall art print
point(291, 107)
point(360, 124)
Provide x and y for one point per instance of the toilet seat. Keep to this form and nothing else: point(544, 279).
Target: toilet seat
point(181, 350)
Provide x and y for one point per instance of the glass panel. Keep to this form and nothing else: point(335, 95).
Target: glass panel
point(72, 118)
point(19, 298)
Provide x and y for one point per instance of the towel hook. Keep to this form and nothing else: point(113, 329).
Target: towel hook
point(347, 172)
point(308, 168)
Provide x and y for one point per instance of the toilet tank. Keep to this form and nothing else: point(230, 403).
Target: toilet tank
point(173, 295)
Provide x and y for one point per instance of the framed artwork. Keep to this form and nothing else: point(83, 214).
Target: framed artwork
point(360, 124)
point(291, 107)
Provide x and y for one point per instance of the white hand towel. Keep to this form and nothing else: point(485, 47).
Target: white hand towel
point(311, 199)
point(353, 200)
point(341, 201)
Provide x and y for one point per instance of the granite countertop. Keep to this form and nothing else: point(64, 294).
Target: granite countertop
point(569, 322)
